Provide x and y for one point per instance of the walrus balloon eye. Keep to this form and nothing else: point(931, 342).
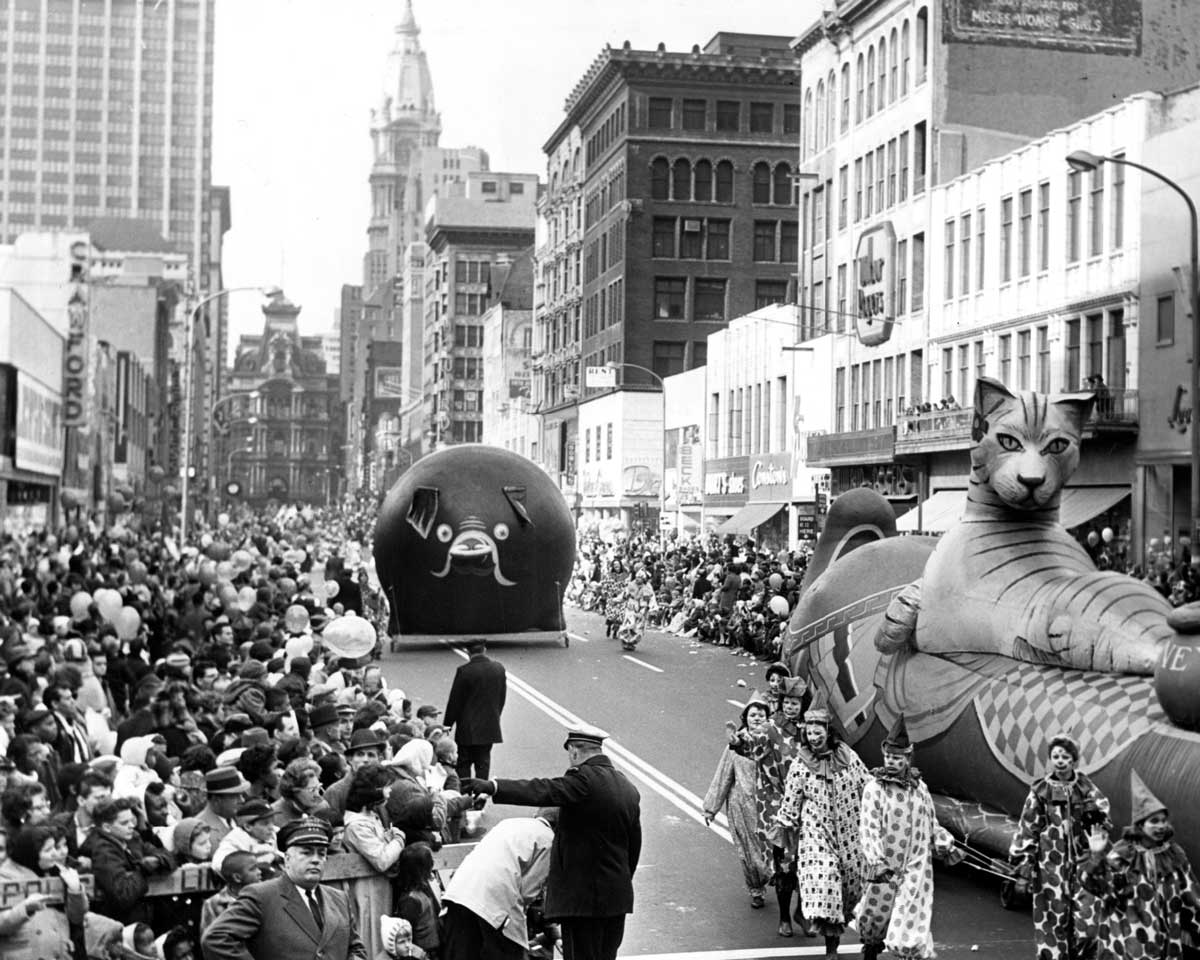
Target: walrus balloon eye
point(444, 533)
point(500, 531)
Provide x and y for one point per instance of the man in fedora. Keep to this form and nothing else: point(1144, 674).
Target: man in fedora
point(366, 746)
point(473, 709)
point(599, 826)
point(293, 915)
point(326, 727)
point(227, 788)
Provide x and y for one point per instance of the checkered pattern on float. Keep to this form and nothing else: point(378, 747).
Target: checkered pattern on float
point(1023, 710)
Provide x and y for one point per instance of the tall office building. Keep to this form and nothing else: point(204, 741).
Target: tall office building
point(107, 108)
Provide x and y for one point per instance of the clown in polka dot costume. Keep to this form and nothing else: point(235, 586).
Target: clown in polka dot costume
point(899, 835)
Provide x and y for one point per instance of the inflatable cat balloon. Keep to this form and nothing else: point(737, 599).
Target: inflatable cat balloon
point(474, 540)
point(1001, 634)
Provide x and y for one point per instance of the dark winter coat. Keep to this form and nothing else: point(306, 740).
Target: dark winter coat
point(476, 702)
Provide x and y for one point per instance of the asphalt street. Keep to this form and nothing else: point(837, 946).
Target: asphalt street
point(664, 707)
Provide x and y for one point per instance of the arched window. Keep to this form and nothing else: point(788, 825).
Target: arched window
point(883, 49)
point(859, 79)
point(922, 45)
point(819, 118)
point(892, 87)
point(724, 182)
point(783, 183)
point(845, 97)
point(681, 180)
point(762, 183)
point(831, 109)
point(660, 180)
point(870, 81)
point(703, 181)
point(807, 137)
point(554, 183)
point(575, 162)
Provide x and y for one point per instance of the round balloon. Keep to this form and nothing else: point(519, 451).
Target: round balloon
point(137, 572)
point(287, 586)
point(156, 473)
point(296, 619)
point(222, 519)
point(80, 602)
point(208, 573)
point(246, 598)
point(109, 603)
point(242, 560)
point(779, 606)
point(225, 570)
point(331, 589)
point(218, 550)
point(128, 621)
point(776, 581)
point(349, 636)
point(1107, 534)
point(1093, 538)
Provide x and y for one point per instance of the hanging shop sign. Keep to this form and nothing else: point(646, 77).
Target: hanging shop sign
point(875, 284)
point(39, 427)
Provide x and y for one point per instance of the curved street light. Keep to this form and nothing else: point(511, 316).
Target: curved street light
point(1082, 161)
point(272, 292)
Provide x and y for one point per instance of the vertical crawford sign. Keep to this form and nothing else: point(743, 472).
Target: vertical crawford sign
point(875, 284)
point(75, 360)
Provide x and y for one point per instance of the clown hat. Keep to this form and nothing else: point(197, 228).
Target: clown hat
point(897, 740)
point(819, 711)
point(1142, 803)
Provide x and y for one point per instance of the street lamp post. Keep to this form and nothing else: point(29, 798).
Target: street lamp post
point(212, 412)
point(189, 387)
point(662, 480)
point(1081, 161)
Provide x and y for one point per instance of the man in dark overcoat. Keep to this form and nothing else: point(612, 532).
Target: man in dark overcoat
point(596, 847)
point(292, 916)
point(473, 709)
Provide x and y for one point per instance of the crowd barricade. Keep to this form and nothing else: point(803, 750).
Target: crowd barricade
point(199, 878)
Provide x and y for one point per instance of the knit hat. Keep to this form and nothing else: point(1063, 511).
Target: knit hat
point(252, 670)
point(819, 711)
point(1142, 803)
point(395, 936)
point(897, 740)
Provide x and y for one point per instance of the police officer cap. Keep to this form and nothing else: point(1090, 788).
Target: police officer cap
point(312, 831)
point(585, 733)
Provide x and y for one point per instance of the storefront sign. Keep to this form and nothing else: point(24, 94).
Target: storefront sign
point(875, 284)
point(75, 361)
point(1087, 26)
point(39, 427)
point(726, 482)
point(771, 478)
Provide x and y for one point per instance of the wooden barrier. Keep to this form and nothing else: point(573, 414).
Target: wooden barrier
point(14, 891)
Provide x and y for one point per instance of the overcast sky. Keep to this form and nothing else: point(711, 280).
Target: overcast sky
point(296, 80)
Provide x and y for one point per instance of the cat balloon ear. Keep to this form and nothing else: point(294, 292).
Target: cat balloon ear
point(989, 394)
point(1077, 408)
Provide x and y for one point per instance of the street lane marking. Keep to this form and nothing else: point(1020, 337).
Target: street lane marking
point(674, 793)
point(643, 663)
point(764, 953)
point(575, 636)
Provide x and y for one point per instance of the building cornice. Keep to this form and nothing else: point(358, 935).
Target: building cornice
point(834, 24)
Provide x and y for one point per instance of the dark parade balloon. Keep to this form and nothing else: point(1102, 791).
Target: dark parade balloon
point(474, 539)
point(156, 473)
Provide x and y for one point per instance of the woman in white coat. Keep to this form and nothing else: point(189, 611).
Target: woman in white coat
point(365, 834)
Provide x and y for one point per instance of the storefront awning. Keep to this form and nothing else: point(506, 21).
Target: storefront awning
point(749, 517)
point(935, 515)
point(1078, 505)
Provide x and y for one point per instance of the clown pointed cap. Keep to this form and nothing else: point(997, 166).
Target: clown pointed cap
point(793, 687)
point(897, 740)
point(756, 699)
point(819, 711)
point(1142, 803)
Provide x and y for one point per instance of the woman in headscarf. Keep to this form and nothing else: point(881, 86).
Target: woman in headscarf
point(733, 787)
point(412, 807)
point(134, 774)
point(380, 846)
point(33, 929)
point(1051, 841)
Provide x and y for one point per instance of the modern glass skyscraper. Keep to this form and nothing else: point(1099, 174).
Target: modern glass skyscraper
point(107, 112)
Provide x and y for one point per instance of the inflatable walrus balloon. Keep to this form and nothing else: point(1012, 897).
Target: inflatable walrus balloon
point(474, 539)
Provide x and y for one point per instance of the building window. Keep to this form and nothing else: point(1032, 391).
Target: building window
point(947, 372)
point(964, 255)
point(870, 81)
point(901, 277)
point(695, 114)
point(1043, 362)
point(789, 241)
point(664, 237)
point(724, 182)
point(767, 292)
point(879, 180)
point(902, 193)
point(1025, 233)
point(1117, 215)
point(703, 181)
point(919, 158)
point(1072, 378)
point(709, 299)
point(918, 272)
point(860, 79)
point(1074, 204)
point(718, 240)
point(1006, 226)
point(839, 400)
point(869, 174)
point(1043, 227)
point(764, 241)
point(1096, 214)
point(660, 180)
point(1095, 344)
point(608, 444)
point(891, 173)
point(668, 357)
point(906, 57)
point(488, 186)
point(1023, 359)
point(949, 265)
point(845, 118)
point(980, 245)
point(728, 115)
point(858, 189)
point(660, 112)
point(818, 216)
point(839, 320)
point(681, 180)
point(791, 118)
point(782, 184)
point(691, 238)
point(1165, 320)
point(843, 196)
point(922, 45)
point(762, 118)
point(699, 354)
point(1005, 358)
point(669, 296)
point(883, 62)
point(761, 192)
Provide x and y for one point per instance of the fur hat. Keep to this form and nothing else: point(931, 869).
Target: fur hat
point(819, 711)
point(897, 740)
point(1142, 803)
